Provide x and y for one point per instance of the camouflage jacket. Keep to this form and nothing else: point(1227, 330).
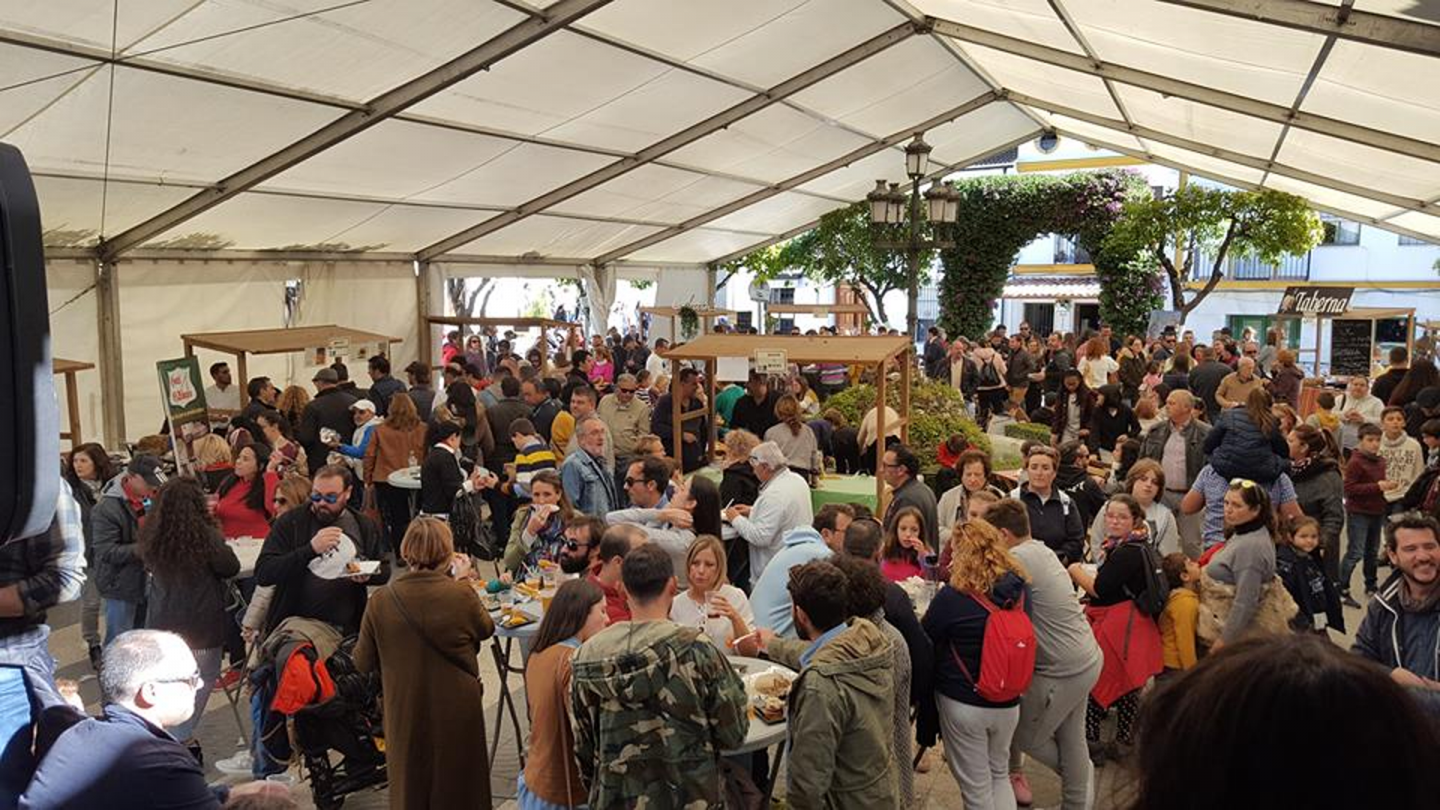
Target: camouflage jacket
point(655, 704)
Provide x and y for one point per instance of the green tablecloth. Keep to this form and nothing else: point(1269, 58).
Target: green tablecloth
point(833, 489)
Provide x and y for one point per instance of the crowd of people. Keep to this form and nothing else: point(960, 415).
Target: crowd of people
point(1182, 528)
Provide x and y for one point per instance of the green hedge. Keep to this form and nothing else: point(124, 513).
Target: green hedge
point(937, 411)
point(1028, 431)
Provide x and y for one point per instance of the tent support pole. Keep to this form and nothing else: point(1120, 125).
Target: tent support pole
point(112, 369)
point(424, 332)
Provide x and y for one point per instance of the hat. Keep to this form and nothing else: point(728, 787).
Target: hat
point(326, 375)
point(362, 405)
point(1428, 398)
point(148, 468)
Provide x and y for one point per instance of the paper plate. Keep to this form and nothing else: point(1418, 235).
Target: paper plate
point(331, 564)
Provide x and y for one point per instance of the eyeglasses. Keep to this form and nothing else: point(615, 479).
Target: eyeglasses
point(329, 497)
point(893, 466)
point(627, 390)
point(194, 680)
point(573, 546)
point(630, 482)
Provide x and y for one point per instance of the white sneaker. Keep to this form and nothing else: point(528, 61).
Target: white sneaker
point(240, 764)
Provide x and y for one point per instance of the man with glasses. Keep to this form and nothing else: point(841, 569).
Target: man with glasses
point(1235, 388)
point(607, 558)
point(298, 557)
point(582, 543)
point(626, 416)
point(125, 759)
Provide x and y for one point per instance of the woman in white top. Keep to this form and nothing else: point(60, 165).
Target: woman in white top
point(795, 438)
point(1096, 364)
point(710, 602)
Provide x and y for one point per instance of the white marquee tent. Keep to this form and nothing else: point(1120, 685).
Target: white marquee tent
point(192, 156)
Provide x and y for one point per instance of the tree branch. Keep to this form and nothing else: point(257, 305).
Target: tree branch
point(1177, 287)
point(1217, 270)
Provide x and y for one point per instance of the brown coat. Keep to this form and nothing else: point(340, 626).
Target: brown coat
point(434, 721)
point(390, 450)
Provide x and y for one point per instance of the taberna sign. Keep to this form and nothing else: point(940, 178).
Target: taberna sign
point(1315, 301)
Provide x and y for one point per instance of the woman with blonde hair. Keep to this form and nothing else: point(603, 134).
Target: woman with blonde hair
point(795, 438)
point(293, 492)
point(984, 581)
point(1096, 364)
point(213, 460)
point(710, 602)
point(422, 633)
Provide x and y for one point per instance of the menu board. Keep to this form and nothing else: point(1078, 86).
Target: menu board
point(1350, 347)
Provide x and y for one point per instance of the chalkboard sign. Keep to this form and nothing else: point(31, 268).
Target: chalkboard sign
point(1350, 347)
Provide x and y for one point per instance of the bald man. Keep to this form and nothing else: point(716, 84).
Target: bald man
point(1238, 384)
point(1178, 443)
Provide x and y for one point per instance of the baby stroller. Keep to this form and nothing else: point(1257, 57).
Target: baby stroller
point(338, 737)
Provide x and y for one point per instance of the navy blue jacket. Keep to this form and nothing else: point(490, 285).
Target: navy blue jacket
point(956, 623)
point(1238, 449)
point(119, 762)
point(1394, 637)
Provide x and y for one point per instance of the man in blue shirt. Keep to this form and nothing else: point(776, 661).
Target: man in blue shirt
point(1208, 493)
point(770, 598)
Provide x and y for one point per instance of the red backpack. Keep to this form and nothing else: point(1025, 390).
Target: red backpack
point(1007, 657)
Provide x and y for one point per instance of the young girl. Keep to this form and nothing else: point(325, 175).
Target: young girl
point(1182, 614)
point(904, 546)
point(1153, 376)
point(1299, 567)
point(1247, 441)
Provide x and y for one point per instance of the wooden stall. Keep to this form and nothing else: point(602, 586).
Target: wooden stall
point(543, 324)
point(69, 368)
point(705, 314)
point(823, 310)
point(1352, 335)
point(856, 351)
point(244, 343)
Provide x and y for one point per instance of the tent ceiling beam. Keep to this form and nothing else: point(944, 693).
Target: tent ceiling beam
point(933, 176)
point(385, 106)
point(714, 123)
point(1237, 183)
point(1225, 154)
point(797, 180)
point(1310, 77)
point(1380, 30)
point(1166, 85)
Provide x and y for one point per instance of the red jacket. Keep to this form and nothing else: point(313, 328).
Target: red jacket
point(236, 518)
point(1363, 474)
point(1133, 650)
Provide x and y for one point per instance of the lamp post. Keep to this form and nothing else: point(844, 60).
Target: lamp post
point(891, 206)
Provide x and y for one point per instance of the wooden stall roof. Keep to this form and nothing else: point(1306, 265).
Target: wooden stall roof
point(523, 323)
point(281, 341)
point(703, 312)
point(67, 366)
point(798, 349)
point(817, 309)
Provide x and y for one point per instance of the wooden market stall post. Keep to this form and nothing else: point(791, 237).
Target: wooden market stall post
point(705, 314)
point(244, 343)
point(876, 352)
point(543, 324)
point(69, 368)
point(823, 310)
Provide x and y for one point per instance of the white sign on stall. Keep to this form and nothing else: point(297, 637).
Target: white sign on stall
point(770, 361)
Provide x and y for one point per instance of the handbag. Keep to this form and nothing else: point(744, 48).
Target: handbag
point(473, 534)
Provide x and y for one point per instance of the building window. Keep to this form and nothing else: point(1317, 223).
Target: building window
point(1411, 240)
point(1041, 318)
point(1340, 231)
point(1068, 252)
point(744, 319)
point(782, 295)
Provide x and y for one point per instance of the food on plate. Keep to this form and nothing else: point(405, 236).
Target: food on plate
point(772, 684)
point(770, 709)
point(352, 567)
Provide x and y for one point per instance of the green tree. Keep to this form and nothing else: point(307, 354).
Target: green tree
point(1217, 224)
point(843, 249)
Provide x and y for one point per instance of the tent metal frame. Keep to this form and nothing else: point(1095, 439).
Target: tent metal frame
point(1344, 22)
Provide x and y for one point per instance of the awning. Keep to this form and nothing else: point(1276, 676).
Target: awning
point(1051, 288)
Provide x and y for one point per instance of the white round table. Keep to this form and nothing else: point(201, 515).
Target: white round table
point(405, 478)
point(247, 549)
point(761, 734)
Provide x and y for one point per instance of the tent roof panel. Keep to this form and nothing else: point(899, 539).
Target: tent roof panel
point(516, 175)
point(977, 134)
point(1411, 9)
point(557, 236)
point(856, 180)
point(1090, 133)
point(1203, 164)
point(91, 21)
point(1361, 165)
point(910, 82)
point(1240, 56)
point(684, 31)
point(269, 222)
point(355, 51)
point(771, 145)
point(1418, 222)
point(1329, 198)
point(1378, 87)
point(1043, 81)
point(70, 214)
point(659, 108)
point(31, 79)
point(1200, 122)
point(1030, 20)
point(693, 247)
point(659, 193)
point(777, 214)
point(164, 128)
point(394, 159)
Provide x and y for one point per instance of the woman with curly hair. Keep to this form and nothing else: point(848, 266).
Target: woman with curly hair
point(292, 402)
point(985, 579)
point(189, 561)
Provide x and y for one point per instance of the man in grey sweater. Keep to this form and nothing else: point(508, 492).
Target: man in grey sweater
point(1067, 664)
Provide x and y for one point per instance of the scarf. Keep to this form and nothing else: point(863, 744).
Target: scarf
point(1299, 466)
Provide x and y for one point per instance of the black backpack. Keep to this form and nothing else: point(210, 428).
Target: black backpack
point(989, 376)
point(1153, 599)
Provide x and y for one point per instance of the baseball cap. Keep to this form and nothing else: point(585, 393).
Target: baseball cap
point(326, 375)
point(363, 405)
point(148, 468)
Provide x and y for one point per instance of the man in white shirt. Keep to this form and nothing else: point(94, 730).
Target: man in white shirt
point(223, 398)
point(1356, 407)
point(656, 364)
point(784, 504)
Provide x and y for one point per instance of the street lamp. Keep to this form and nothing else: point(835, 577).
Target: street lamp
point(888, 207)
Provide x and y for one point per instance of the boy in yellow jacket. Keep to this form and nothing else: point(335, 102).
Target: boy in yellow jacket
point(1182, 613)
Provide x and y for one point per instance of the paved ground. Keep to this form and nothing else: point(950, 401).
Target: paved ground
point(220, 735)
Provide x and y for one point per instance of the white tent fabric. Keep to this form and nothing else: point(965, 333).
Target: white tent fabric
point(662, 132)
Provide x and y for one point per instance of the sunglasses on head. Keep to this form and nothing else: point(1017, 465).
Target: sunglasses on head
point(1242, 483)
point(329, 497)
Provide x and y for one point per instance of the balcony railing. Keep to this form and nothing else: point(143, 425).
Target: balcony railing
point(1251, 268)
point(1067, 252)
